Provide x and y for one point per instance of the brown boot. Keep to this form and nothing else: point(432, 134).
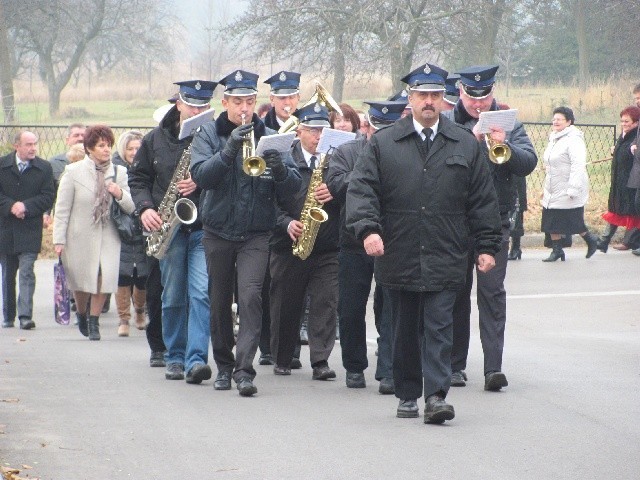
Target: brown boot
point(123, 329)
point(139, 299)
point(123, 303)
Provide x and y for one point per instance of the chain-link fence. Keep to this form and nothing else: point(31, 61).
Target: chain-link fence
point(599, 140)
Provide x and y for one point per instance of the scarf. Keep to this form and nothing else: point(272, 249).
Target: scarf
point(102, 195)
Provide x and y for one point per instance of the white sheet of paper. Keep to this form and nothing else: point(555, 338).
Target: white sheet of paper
point(332, 138)
point(190, 125)
point(506, 119)
point(280, 142)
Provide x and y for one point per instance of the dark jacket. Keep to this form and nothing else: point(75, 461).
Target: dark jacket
point(34, 188)
point(155, 163)
point(291, 208)
point(270, 120)
point(236, 205)
point(621, 197)
point(424, 207)
point(132, 253)
point(634, 175)
point(523, 158)
point(343, 160)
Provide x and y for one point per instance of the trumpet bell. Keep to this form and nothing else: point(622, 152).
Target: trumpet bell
point(254, 166)
point(499, 153)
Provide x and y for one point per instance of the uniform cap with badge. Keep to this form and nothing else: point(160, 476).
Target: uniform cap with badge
point(477, 81)
point(313, 115)
point(240, 83)
point(196, 93)
point(383, 113)
point(284, 83)
point(452, 93)
point(426, 78)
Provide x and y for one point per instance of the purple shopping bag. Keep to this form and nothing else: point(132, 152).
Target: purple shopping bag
point(61, 295)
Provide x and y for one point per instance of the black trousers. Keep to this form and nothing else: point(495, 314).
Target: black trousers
point(154, 306)
point(492, 312)
point(291, 278)
point(249, 259)
point(265, 333)
point(422, 335)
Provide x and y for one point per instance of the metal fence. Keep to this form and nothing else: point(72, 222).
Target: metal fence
point(599, 139)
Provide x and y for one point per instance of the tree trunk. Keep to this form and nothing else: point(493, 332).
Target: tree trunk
point(580, 9)
point(6, 82)
point(338, 71)
point(54, 97)
point(493, 13)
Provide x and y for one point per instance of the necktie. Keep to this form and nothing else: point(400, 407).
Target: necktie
point(312, 162)
point(22, 166)
point(427, 139)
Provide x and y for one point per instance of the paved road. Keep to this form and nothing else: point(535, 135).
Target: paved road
point(74, 409)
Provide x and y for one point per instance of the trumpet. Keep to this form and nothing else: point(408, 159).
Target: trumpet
point(499, 153)
point(252, 164)
point(321, 96)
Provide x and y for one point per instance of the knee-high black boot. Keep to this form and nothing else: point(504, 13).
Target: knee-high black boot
point(605, 238)
point(94, 328)
point(516, 251)
point(592, 243)
point(556, 253)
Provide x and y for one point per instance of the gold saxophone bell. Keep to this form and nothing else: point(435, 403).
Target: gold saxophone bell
point(499, 153)
point(321, 96)
point(252, 164)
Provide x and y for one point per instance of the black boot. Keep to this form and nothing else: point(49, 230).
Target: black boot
point(605, 238)
point(556, 253)
point(82, 324)
point(516, 252)
point(592, 243)
point(94, 328)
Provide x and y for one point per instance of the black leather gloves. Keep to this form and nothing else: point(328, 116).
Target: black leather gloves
point(273, 159)
point(234, 143)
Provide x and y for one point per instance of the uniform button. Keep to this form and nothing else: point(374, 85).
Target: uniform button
point(155, 162)
point(422, 247)
point(424, 170)
point(424, 208)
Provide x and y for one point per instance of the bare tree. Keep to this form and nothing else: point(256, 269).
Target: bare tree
point(6, 80)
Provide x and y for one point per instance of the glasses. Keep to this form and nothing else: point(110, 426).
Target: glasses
point(313, 131)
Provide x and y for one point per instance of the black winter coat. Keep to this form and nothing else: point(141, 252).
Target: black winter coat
point(523, 158)
point(343, 161)
point(291, 208)
point(155, 163)
point(132, 253)
point(621, 197)
point(425, 207)
point(34, 188)
point(234, 204)
point(271, 121)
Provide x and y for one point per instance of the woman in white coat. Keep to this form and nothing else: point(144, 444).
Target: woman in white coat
point(566, 185)
point(83, 231)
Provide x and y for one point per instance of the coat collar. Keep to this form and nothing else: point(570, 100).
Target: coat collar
point(404, 128)
point(9, 161)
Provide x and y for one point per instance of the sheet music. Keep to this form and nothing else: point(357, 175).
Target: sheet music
point(332, 138)
point(190, 125)
point(280, 142)
point(506, 119)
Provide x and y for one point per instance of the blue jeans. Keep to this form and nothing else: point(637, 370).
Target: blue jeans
point(185, 301)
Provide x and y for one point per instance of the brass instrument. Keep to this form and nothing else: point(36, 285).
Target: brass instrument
point(312, 215)
point(252, 164)
point(321, 96)
point(173, 211)
point(499, 153)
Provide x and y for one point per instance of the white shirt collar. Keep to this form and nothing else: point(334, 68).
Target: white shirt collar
point(419, 128)
point(19, 161)
point(280, 122)
point(307, 156)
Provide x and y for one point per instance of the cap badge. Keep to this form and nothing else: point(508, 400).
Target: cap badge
point(457, 84)
point(477, 78)
point(282, 77)
point(385, 110)
point(317, 108)
point(238, 76)
point(427, 69)
point(403, 93)
point(197, 86)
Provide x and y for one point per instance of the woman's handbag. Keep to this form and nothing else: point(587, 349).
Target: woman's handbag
point(61, 295)
point(125, 224)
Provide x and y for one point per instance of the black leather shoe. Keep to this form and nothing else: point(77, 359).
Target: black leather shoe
point(494, 381)
point(223, 381)
point(436, 410)
point(277, 370)
point(296, 364)
point(8, 323)
point(323, 372)
point(265, 359)
point(387, 387)
point(83, 325)
point(355, 380)
point(198, 373)
point(175, 371)
point(458, 379)
point(515, 254)
point(157, 359)
point(246, 387)
point(407, 409)
point(27, 324)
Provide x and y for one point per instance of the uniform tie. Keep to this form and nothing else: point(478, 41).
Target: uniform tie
point(427, 138)
point(22, 166)
point(312, 162)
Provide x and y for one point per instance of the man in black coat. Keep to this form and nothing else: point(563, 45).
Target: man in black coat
point(284, 98)
point(26, 193)
point(418, 191)
point(476, 96)
point(291, 276)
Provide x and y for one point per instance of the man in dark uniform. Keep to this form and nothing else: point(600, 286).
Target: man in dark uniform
point(185, 303)
point(26, 193)
point(291, 276)
point(239, 212)
point(356, 267)
point(476, 95)
point(419, 189)
point(284, 98)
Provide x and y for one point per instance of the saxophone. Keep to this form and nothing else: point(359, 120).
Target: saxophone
point(312, 215)
point(173, 211)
